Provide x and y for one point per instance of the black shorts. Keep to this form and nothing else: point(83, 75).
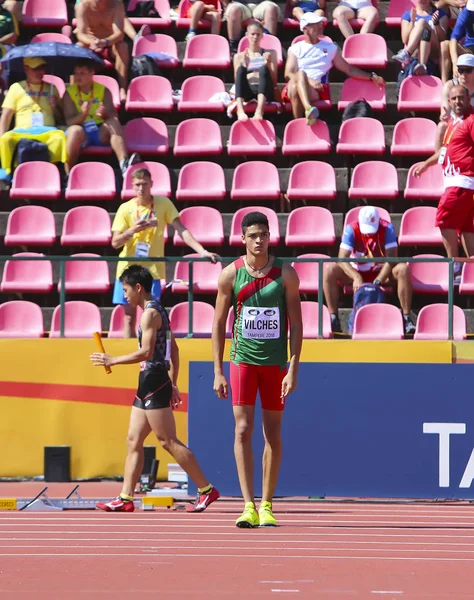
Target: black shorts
point(154, 390)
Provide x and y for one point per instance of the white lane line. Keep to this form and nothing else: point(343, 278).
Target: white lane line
point(386, 592)
point(285, 591)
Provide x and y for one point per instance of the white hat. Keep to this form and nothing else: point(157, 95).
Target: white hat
point(310, 19)
point(369, 220)
point(465, 60)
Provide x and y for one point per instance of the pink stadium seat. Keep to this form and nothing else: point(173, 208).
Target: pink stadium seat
point(38, 13)
point(57, 82)
point(201, 180)
point(27, 276)
point(421, 93)
point(396, 8)
point(308, 273)
point(163, 21)
point(197, 91)
point(254, 180)
point(235, 238)
point(149, 93)
point(36, 179)
point(310, 314)
point(298, 138)
point(374, 179)
point(81, 320)
point(146, 135)
point(353, 213)
point(205, 223)
point(117, 317)
point(91, 181)
point(366, 50)
point(205, 276)
point(310, 226)
point(252, 138)
point(207, 51)
point(361, 135)
point(21, 319)
point(355, 89)
point(269, 42)
point(415, 135)
point(467, 279)
point(312, 180)
point(432, 323)
point(378, 322)
point(203, 317)
point(159, 174)
point(91, 277)
point(429, 186)
point(112, 85)
point(30, 226)
point(51, 37)
point(417, 227)
point(86, 226)
point(198, 136)
point(429, 278)
point(164, 44)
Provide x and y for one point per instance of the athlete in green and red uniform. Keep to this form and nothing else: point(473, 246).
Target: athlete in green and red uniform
point(264, 292)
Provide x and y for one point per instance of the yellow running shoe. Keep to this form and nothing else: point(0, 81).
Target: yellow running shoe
point(249, 518)
point(265, 515)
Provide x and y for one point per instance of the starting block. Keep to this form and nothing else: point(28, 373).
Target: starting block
point(149, 502)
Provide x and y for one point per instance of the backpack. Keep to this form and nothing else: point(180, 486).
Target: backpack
point(143, 65)
point(408, 69)
point(368, 293)
point(143, 9)
point(359, 108)
point(29, 150)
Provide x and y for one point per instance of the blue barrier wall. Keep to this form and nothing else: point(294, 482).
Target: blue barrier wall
point(364, 430)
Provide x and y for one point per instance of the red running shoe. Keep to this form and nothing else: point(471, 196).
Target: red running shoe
point(203, 500)
point(117, 505)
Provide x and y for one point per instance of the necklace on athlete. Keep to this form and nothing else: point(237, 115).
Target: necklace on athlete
point(255, 270)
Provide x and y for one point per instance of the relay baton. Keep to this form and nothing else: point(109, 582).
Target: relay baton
point(100, 345)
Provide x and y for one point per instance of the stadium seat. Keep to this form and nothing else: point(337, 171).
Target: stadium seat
point(412, 136)
point(374, 179)
point(429, 278)
point(420, 93)
point(116, 325)
point(310, 226)
point(417, 227)
point(51, 37)
point(164, 45)
point(38, 13)
point(467, 279)
point(146, 135)
point(255, 180)
point(27, 276)
point(149, 93)
point(252, 138)
point(269, 42)
point(353, 213)
point(298, 138)
point(112, 85)
point(184, 21)
point(21, 319)
point(163, 21)
point(196, 94)
point(308, 273)
point(198, 137)
point(378, 322)
point(203, 317)
point(159, 174)
point(91, 181)
point(205, 223)
point(312, 180)
point(201, 180)
point(86, 226)
point(86, 277)
point(429, 186)
point(361, 135)
point(432, 323)
point(235, 238)
point(207, 51)
point(81, 320)
point(365, 50)
point(310, 316)
point(355, 89)
point(396, 8)
point(36, 180)
point(57, 82)
point(205, 276)
point(30, 226)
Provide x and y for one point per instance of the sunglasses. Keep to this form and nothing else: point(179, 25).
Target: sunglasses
point(464, 70)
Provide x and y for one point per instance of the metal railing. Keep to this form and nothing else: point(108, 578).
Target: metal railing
point(191, 260)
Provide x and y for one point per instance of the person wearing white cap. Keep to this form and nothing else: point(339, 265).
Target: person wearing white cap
point(356, 9)
point(465, 77)
point(307, 68)
point(451, 50)
point(368, 236)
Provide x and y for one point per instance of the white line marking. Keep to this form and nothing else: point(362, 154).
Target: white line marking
point(290, 591)
point(385, 592)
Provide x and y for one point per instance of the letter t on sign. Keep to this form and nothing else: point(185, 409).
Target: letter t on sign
point(444, 430)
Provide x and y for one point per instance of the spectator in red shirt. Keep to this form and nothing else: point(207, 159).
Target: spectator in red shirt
point(208, 11)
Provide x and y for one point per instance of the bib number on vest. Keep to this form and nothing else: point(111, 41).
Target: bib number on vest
point(261, 323)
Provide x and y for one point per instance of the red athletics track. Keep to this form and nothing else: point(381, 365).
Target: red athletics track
point(324, 550)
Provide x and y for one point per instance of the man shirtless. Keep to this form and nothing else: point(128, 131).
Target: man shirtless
point(100, 27)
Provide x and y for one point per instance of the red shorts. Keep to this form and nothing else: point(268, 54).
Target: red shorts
point(456, 210)
point(323, 93)
point(247, 380)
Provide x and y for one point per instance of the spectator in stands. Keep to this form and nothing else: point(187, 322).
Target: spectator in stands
point(14, 7)
point(238, 11)
point(36, 107)
point(9, 30)
point(368, 236)
point(463, 32)
point(356, 9)
point(256, 72)
point(100, 27)
point(92, 119)
point(423, 29)
point(128, 28)
point(208, 12)
point(138, 229)
point(300, 7)
point(307, 68)
point(465, 77)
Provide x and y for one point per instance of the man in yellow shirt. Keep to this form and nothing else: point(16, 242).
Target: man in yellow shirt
point(36, 107)
point(138, 229)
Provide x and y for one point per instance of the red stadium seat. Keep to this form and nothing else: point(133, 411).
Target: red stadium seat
point(147, 135)
point(57, 82)
point(81, 320)
point(429, 278)
point(429, 186)
point(467, 279)
point(51, 37)
point(312, 180)
point(310, 316)
point(86, 226)
point(149, 93)
point(21, 319)
point(252, 138)
point(36, 180)
point(30, 226)
point(432, 323)
point(198, 137)
point(38, 13)
point(117, 320)
point(255, 180)
point(235, 238)
point(207, 51)
point(91, 181)
point(201, 180)
point(308, 273)
point(412, 136)
point(203, 317)
point(354, 89)
point(365, 50)
point(420, 93)
point(205, 223)
point(361, 135)
point(378, 322)
point(27, 276)
point(205, 276)
point(112, 85)
point(374, 180)
point(86, 277)
point(417, 227)
point(396, 8)
point(161, 43)
point(310, 226)
point(197, 92)
point(299, 139)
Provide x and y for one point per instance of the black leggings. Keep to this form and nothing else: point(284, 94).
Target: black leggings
point(265, 84)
